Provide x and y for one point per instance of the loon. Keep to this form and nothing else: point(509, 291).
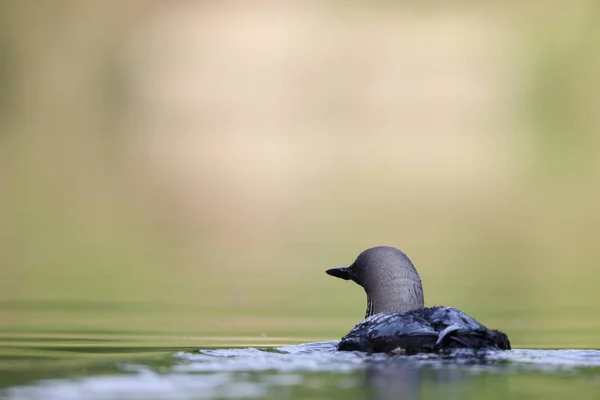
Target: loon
point(397, 320)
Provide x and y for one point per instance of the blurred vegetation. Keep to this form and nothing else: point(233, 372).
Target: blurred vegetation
point(181, 169)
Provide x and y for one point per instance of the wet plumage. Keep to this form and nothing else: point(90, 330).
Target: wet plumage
point(425, 330)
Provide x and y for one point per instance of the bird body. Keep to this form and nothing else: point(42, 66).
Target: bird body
point(424, 330)
point(397, 320)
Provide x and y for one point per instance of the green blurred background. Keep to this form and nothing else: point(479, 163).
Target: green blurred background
point(181, 173)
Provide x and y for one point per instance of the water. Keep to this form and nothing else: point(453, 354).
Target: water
point(309, 371)
point(254, 339)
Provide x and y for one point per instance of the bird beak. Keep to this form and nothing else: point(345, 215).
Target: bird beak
point(341, 272)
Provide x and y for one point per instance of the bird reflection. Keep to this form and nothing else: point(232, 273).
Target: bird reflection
point(406, 378)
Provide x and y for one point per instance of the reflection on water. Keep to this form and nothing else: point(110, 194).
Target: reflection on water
point(318, 370)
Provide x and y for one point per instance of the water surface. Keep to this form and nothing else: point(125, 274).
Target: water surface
point(125, 349)
point(305, 371)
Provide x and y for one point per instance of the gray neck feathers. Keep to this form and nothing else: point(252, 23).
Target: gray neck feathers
point(396, 291)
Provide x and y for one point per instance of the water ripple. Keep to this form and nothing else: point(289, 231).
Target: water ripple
point(260, 373)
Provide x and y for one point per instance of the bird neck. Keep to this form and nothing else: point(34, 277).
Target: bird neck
point(396, 296)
